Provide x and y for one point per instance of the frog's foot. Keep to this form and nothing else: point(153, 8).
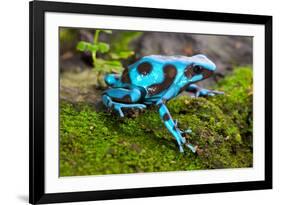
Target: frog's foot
point(171, 125)
point(191, 147)
point(118, 98)
point(187, 131)
point(205, 92)
point(202, 92)
point(118, 106)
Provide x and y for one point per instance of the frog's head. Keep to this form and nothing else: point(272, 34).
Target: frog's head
point(200, 68)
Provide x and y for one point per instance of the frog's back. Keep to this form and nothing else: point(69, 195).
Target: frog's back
point(155, 73)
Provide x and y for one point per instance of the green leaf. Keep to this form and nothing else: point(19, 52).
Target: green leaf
point(122, 54)
point(107, 31)
point(108, 66)
point(113, 63)
point(86, 46)
point(81, 46)
point(103, 47)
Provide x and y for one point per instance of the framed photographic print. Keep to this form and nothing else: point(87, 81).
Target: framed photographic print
point(140, 102)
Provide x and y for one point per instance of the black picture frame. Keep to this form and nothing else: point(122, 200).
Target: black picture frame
point(37, 10)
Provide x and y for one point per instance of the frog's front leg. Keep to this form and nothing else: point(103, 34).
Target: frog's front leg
point(112, 80)
point(202, 92)
point(171, 125)
point(118, 98)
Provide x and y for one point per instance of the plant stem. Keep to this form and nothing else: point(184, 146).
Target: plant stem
point(94, 54)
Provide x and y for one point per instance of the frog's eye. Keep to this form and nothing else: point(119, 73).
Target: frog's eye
point(197, 69)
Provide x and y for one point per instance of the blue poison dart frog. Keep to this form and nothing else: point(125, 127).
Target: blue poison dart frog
point(155, 79)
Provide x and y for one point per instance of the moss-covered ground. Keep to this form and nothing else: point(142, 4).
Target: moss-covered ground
point(99, 142)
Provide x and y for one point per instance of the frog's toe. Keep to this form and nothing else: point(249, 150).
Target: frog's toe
point(181, 149)
point(191, 147)
point(188, 131)
point(119, 110)
point(205, 92)
point(183, 140)
point(198, 94)
point(140, 106)
point(216, 92)
point(107, 101)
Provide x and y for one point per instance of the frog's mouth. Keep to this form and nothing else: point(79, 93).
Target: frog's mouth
point(207, 73)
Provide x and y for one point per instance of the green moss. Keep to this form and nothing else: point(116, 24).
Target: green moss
point(99, 142)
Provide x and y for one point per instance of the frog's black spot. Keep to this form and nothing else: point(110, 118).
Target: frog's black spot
point(144, 68)
point(166, 117)
point(124, 99)
point(125, 78)
point(192, 70)
point(170, 73)
point(127, 99)
point(175, 128)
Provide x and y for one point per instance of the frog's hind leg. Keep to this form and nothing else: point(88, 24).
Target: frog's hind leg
point(118, 98)
point(171, 125)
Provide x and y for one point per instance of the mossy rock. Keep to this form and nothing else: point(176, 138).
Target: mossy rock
point(99, 142)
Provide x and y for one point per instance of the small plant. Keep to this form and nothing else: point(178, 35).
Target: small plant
point(111, 61)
